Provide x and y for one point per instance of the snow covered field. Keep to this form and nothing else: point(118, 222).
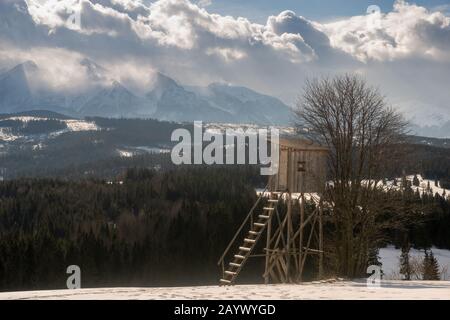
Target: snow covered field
point(72, 126)
point(390, 258)
point(423, 185)
point(339, 290)
point(391, 287)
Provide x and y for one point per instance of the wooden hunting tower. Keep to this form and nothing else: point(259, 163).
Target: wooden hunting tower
point(301, 177)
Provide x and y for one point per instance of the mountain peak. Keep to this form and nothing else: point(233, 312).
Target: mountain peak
point(15, 89)
point(162, 84)
point(29, 65)
point(118, 88)
point(21, 71)
point(161, 80)
point(94, 71)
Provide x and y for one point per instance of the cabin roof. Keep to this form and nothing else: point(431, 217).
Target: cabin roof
point(298, 143)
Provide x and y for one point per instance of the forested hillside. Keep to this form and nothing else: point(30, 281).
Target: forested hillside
point(153, 228)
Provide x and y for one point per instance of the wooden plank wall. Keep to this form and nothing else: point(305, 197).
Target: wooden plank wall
point(311, 180)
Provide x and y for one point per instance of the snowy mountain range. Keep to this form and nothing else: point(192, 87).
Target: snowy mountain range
point(22, 88)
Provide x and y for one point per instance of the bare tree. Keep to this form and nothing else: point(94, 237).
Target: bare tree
point(354, 120)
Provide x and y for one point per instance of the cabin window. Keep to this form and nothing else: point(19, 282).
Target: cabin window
point(301, 166)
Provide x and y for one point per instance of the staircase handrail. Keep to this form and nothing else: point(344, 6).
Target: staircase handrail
point(221, 260)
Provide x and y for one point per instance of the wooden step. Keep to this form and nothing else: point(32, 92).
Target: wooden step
point(269, 208)
point(244, 249)
point(237, 256)
point(273, 200)
point(237, 265)
point(259, 224)
point(262, 216)
point(255, 233)
point(225, 281)
point(249, 240)
point(231, 273)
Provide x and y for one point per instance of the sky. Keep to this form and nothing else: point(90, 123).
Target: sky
point(269, 46)
point(321, 10)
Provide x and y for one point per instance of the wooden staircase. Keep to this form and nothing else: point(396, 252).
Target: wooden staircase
point(258, 224)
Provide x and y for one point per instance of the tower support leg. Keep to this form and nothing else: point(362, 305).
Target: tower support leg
point(300, 244)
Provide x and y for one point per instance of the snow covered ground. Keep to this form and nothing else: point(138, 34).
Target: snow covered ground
point(390, 258)
point(72, 125)
point(338, 290)
point(129, 152)
point(423, 185)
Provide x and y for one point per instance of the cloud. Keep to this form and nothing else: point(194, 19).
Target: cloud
point(408, 31)
point(406, 51)
point(174, 36)
point(57, 69)
point(172, 23)
point(204, 3)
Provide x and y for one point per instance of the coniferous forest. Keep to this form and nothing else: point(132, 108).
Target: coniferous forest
point(149, 228)
point(146, 229)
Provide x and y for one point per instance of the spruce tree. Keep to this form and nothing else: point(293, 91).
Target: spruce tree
point(433, 267)
point(404, 183)
point(416, 181)
point(430, 267)
point(374, 258)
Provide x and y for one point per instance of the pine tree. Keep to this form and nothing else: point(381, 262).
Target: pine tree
point(430, 267)
point(428, 186)
point(434, 267)
point(374, 258)
point(404, 183)
point(416, 181)
point(405, 266)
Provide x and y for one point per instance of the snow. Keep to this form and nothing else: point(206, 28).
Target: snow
point(153, 150)
point(26, 118)
point(125, 154)
point(390, 259)
point(423, 185)
point(422, 188)
point(38, 146)
point(335, 290)
point(129, 152)
point(72, 126)
point(294, 196)
point(81, 125)
point(6, 135)
point(220, 128)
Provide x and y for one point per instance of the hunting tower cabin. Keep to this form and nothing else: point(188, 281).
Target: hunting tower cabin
point(302, 167)
point(301, 177)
